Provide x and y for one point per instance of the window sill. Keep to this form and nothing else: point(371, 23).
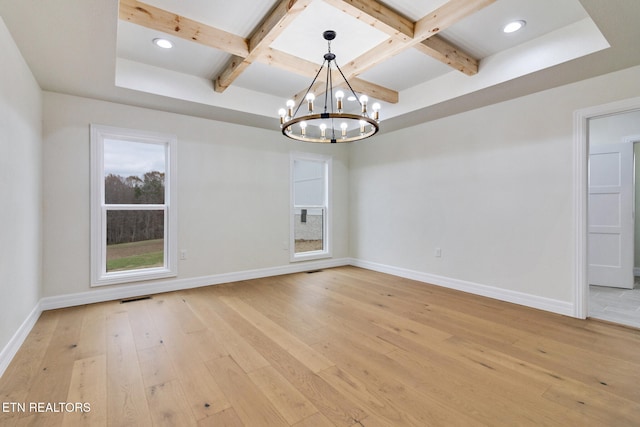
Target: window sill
point(129, 276)
point(308, 256)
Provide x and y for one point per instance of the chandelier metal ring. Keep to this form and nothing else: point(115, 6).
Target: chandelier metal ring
point(366, 133)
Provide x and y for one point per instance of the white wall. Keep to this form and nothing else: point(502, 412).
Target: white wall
point(233, 191)
point(20, 189)
point(490, 187)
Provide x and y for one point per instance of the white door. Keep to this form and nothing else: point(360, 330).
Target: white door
point(610, 215)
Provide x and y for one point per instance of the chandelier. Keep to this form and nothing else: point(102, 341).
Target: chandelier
point(333, 124)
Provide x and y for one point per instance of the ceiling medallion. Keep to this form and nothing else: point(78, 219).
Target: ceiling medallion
point(333, 124)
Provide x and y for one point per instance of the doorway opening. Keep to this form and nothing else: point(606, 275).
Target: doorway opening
point(614, 292)
point(619, 123)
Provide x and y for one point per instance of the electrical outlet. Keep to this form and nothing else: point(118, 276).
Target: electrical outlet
point(438, 253)
point(183, 254)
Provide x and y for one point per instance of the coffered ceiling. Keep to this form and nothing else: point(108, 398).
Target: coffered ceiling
point(239, 61)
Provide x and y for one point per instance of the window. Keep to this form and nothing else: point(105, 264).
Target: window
point(133, 209)
point(310, 214)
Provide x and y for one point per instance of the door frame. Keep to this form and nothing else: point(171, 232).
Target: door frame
point(580, 194)
point(633, 140)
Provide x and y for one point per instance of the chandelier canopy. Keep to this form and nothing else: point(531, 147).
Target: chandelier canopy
point(333, 124)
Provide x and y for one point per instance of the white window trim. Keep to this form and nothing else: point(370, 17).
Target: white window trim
point(326, 229)
point(99, 275)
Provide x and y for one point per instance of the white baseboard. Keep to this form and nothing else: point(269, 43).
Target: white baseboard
point(533, 301)
point(159, 286)
point(12, 347)
point(155, 287)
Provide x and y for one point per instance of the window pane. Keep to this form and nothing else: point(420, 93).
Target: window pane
point(135, 239)
point(134, 172)
point(309, 182)
point(308, 230)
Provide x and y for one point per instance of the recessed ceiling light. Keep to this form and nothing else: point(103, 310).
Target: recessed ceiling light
point(514, 26)
point(163, 43)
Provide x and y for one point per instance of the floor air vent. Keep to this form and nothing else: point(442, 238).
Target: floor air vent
point(313, 271)
point(123, 301)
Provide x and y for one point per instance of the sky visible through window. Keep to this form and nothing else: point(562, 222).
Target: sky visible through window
point(127, 158)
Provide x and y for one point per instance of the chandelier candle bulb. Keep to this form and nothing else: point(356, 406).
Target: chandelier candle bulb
point(290, 105)
point(376, 111)
point(363, 101)
point(323, 131)
point(310, 98)
point(303, 128)
point(362, 123)
point(339, 98)
point(343, 126)
point(282, 113)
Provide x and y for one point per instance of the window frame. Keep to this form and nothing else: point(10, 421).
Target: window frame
point(99, 209)
point(326, 252)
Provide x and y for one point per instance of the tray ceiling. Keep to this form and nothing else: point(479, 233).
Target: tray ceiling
point(239, 61)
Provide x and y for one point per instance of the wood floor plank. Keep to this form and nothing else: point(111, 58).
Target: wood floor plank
point(386, 319)
point(315, 420)
point(93, 333)
point(88, 389)
point(126, 399)
point(291, 404)
point(207, 344)
point(187, 360)
point(25, 366)
point(54, 376)
point(243, 353)
point(251, 405)
point(168, 405)
point(155, 366)
point(348, 323)
point(339, 347)
point(597, 405)
point(201, 389)
point(186, 318)
point(368, 397)
point(226, 418)
point(339, 409)
point(287, 309)
point(166, 327)
point(305, 354)
point(145, 332)
point(395, 382)
point(591, 367)
point(452, 320)
point(588, 336)
point(491, 394)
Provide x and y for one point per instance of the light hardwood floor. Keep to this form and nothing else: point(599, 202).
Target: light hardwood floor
point(344, 347)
